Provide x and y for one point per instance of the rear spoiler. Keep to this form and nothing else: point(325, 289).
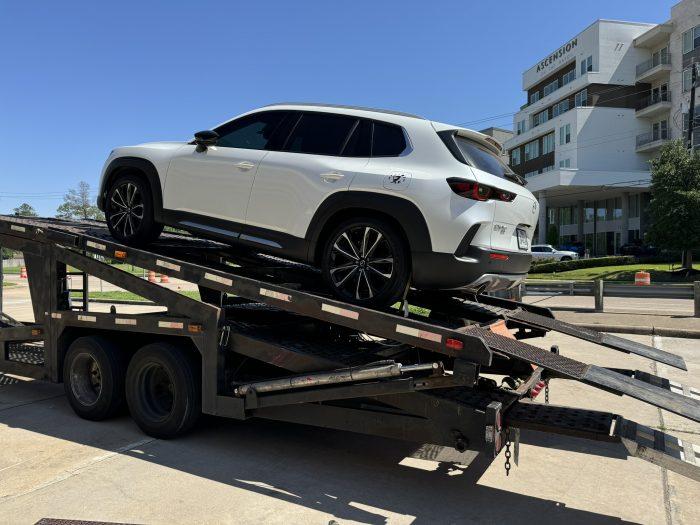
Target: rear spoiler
point(485, 140)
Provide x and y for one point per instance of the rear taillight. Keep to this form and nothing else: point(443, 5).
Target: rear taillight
point(478, 192)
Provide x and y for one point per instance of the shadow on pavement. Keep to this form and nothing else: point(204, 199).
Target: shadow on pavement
point(351, 476)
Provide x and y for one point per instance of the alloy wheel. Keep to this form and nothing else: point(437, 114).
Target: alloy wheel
point(126, 209)
point(361, 262)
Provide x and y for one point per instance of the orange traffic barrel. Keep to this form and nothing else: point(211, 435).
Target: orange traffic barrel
point(23, 272)
point(164, 278)
point(642, 278)
point(151, 276)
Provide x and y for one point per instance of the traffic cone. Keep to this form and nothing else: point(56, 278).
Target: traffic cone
point(151, 276)
point(164, 279)
point(23, 272)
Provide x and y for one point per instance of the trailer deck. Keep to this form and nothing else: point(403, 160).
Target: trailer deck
point(272, 343)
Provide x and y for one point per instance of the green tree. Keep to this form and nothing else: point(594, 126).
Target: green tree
point(25, 210)
point(78, 205)
point(675, 200)
point(553, 235)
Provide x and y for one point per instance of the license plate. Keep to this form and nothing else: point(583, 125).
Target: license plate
point(523, 244)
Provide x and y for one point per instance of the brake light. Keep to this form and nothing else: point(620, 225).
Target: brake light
point(478, 192)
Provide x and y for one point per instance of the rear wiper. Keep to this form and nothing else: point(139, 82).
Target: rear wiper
point(515, 178)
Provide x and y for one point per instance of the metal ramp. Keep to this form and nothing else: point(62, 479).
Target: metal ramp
point(640, 441)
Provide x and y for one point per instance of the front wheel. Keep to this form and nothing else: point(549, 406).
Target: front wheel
point(129, 211)
point(366, 262)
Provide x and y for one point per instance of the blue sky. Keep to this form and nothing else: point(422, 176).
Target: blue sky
point(78, 78)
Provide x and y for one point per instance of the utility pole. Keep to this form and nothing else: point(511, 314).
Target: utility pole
point(691, 109)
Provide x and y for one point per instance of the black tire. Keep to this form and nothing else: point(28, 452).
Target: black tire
point(129, 211)
point(93, 377)
point(362, 275)
point(163, 390)
point(565, 258)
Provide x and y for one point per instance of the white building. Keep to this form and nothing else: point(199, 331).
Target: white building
point(598, 108)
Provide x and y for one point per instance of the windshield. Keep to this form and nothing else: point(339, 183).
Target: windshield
point(482, 158)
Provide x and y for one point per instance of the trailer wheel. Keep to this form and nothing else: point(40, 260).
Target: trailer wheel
point(163, 390)
point(93, 377)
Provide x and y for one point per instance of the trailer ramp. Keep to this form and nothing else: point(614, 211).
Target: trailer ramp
point(639, 441)
point(523, 315)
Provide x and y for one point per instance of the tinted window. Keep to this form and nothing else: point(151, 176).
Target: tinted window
point(536, 249)
point(387, 140)
point(320, 134)
point(360, 142)
point(482, 158)
point(250, 132)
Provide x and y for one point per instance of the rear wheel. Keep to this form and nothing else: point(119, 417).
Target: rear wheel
point(163, 390)
point(129, 211)
point(93, 377)
point(365, 261)
point(565, 258)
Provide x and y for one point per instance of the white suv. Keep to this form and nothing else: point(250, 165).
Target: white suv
point(379, 200)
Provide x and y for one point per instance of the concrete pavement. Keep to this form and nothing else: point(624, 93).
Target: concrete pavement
point(54, 464)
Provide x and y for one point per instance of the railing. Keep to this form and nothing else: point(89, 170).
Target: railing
point(654, 98)
point(652, 136)
point(652, 63)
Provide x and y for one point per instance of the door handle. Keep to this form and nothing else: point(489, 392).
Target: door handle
point(245, 165)
point(332, 176)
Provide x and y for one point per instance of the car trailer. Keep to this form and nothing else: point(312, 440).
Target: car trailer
point(267, 340)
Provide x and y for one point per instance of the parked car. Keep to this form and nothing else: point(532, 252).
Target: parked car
point(638, 250)
point(577, 247)
point(547, 251)
point(379, 200)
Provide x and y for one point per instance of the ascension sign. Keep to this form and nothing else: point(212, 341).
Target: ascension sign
point(563, 50)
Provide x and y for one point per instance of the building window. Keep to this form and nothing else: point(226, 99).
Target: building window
point(659, 130)
point(548, 168)
point(565, 134)
point(566, 163)
point(617, 210)
point(520, 127)
point(515, 157)
point(540, 118)
point(581, 98)
point(691, 39)
point(532, 150)
point(534, 97)
point(588, 211)
point(586, 65)
point(687, 79)
point(548, 144)
point(531, 174)
point(634, 206)
point(560, 107)
point(551, 87)
point(568, 77)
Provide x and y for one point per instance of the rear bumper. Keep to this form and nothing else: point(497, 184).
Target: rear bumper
point(476, 268)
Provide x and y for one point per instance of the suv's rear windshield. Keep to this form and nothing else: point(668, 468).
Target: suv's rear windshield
point(482, 158)
point(474, 154)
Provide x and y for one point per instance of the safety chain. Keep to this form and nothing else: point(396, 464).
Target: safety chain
point(507, 453)
point(546, 392)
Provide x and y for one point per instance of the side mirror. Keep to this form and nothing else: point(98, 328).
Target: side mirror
point(204, 139)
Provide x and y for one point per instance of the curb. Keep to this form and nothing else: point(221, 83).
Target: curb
point(644, 330)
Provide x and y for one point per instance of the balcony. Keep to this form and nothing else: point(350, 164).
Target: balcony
point(651, 141)
point(654, 105)
point(653, 69)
